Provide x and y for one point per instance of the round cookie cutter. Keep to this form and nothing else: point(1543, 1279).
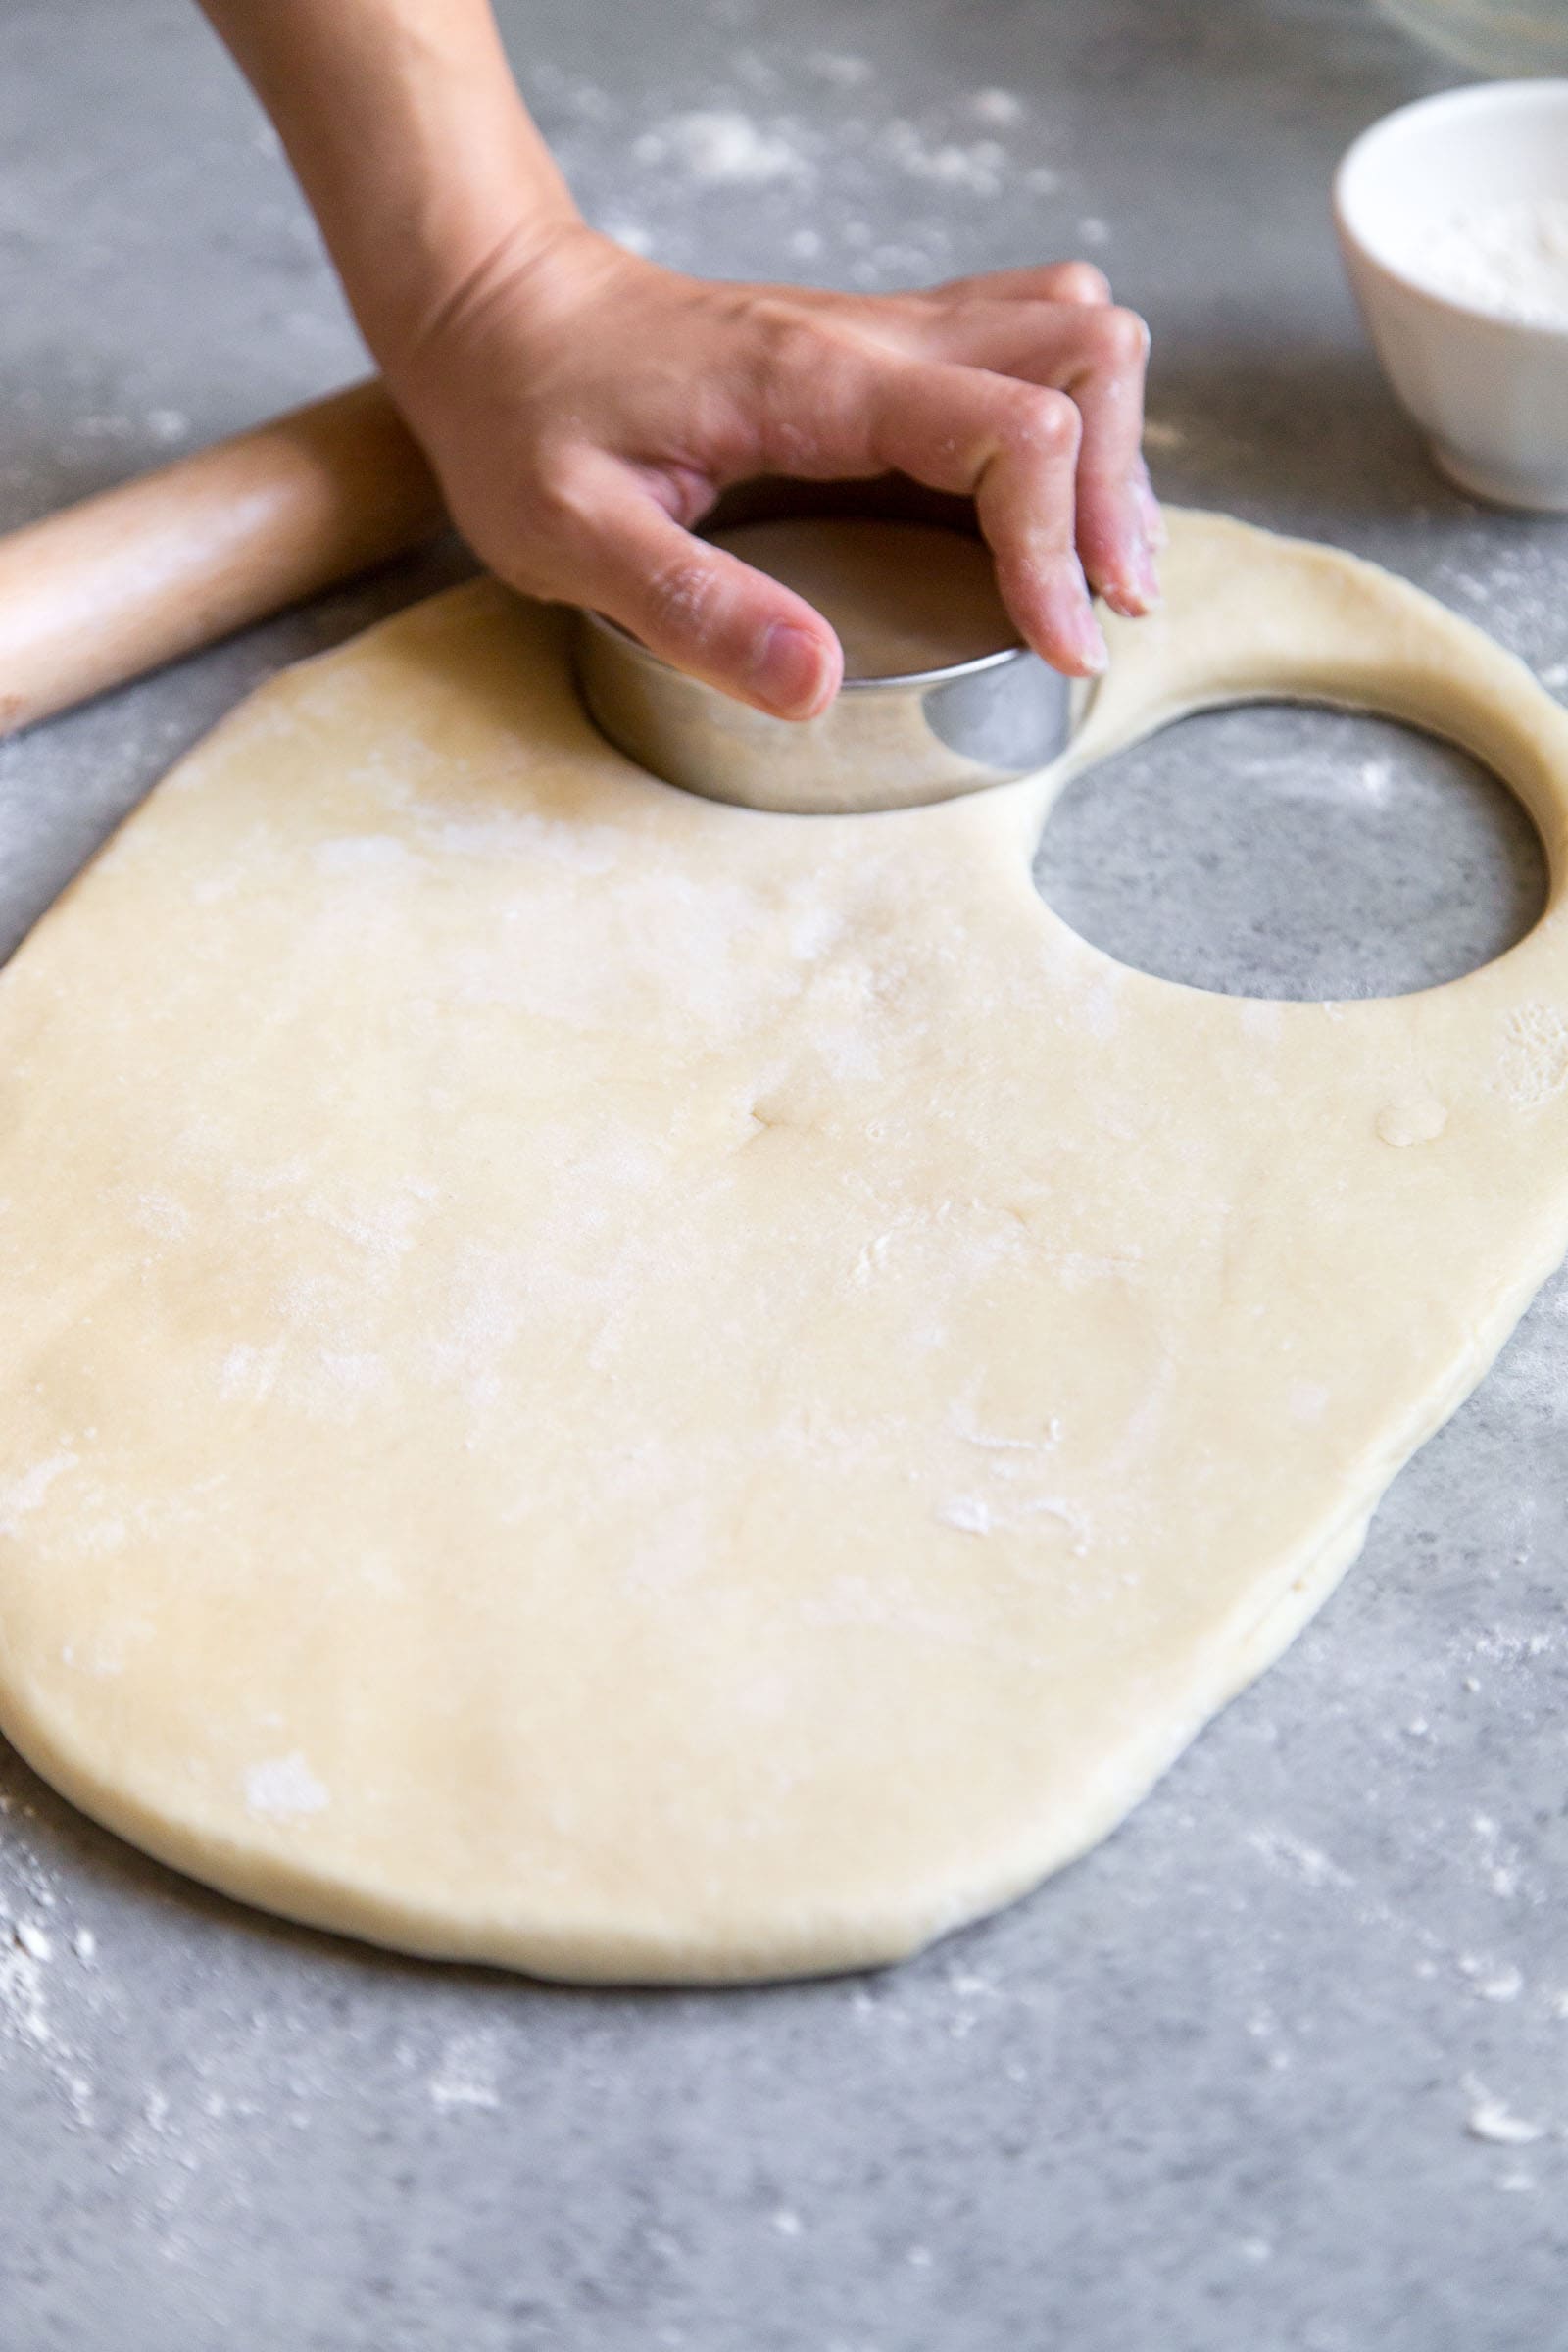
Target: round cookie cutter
point(884, 743)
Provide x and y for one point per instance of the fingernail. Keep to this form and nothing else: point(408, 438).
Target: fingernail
point(1089, 644)
point(1145, 575)
point(1137, 591)
point(787, 672)
point(1147, 507)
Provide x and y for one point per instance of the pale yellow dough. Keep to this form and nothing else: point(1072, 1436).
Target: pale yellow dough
point(636, 1390)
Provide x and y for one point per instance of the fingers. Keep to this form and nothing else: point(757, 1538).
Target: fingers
point(1078, 283)
point(693, 604)
point(1022, 389)
point(1097, 352)
point(1156, 530)
point(1113, 540)
point(1014, 447)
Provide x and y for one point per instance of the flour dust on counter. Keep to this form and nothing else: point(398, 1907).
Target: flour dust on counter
point(42, 1953)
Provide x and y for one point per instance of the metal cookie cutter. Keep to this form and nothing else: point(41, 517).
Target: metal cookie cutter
point(885, 743)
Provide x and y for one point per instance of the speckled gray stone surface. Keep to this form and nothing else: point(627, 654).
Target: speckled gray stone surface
point(1218, 2088)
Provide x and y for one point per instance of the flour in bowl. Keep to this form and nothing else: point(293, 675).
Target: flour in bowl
point(1510, 260)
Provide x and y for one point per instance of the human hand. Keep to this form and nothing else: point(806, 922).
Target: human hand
point(584, 408)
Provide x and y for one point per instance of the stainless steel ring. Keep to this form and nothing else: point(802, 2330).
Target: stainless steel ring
point(885, 743)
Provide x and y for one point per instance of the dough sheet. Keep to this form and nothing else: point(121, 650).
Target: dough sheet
point(639, 1390)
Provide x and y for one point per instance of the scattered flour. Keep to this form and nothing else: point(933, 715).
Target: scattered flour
point(1286, 1851)
point(974, 1516)
point(30, 1966)
point(723, 147)
point(999, 108)
point(1491, 2119)
point(978, 169)
point(26, 1494)
point(24, 2011)
point(1490, 1979)
point(467, 2075)
point(284, 1789)
point(1533, 1060)
point(1501, 1864)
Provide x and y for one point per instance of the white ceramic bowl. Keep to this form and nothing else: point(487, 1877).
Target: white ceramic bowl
point(1490, 393)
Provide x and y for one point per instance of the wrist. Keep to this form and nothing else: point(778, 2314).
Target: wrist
point(487, 312)
point(456, 269)
point(413, 144)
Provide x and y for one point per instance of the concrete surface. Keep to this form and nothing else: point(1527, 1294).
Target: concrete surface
point(1219, 2087)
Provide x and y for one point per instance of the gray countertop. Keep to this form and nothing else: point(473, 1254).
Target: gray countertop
point(1236, 2079)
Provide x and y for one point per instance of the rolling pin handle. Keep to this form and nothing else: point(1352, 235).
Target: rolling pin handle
point(158, 566)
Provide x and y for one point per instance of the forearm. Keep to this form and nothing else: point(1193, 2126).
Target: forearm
point(406, 128)
point(583, 407)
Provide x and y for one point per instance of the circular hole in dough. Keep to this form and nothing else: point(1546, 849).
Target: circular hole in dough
point(1293, 853)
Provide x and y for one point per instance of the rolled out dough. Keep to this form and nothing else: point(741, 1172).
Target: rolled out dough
point(642, 1391)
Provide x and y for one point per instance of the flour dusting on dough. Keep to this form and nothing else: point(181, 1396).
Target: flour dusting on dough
point(284, 1789)
point(1413, 1119)
point(750, 1430)
point(26, 1494)
point(1532, 1062)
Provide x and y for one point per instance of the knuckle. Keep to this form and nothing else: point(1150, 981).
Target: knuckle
point(810, 392)
point(790, 336)
point(809, 352)
point(1121, 337)
point(774, 316)
point(562, 494)
point(1081, 281)
point(1046, 422)
point(678, 599)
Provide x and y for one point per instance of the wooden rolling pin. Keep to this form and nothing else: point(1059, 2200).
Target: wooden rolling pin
point(144, 573)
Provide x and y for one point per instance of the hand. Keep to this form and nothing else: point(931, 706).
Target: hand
point(584, 408)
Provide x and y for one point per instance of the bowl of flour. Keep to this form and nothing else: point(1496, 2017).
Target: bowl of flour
point(1452, 216)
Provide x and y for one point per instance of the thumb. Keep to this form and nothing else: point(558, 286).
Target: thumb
point(702, 608)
